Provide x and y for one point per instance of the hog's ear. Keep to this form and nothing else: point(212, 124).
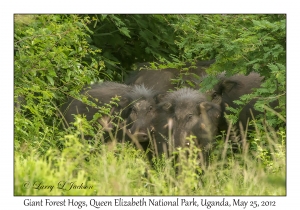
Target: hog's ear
point(205, 106)
point(228, 85)
point(210, 108)
point(159, 97)
point(167, 106)
point(124, 102)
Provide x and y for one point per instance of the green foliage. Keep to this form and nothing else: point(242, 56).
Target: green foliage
point(239, 43)
point(50, 54)
point(128, 39)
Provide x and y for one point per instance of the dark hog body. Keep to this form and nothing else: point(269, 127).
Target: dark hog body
point(153, 79)
point(162, 79)
point(193, 77)
point(231, 89)
point(187, 112)
point(100, 94)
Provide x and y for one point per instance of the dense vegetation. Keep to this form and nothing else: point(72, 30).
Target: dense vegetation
point(55, 56)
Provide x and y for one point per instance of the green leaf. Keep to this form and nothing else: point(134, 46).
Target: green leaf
point(125, 31)
point(50, 79)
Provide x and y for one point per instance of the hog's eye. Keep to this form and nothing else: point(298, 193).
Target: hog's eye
point(214, 94)
point(189, 117)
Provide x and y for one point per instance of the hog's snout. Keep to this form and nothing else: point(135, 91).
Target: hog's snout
point(140, 136)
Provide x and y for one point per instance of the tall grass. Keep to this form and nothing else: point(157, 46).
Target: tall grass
point(121, 169)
